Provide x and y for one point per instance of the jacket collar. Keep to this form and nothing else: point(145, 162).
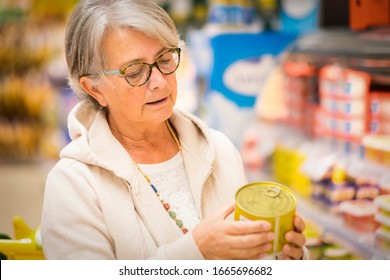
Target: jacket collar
point(101, 148)
point(198, 152)
point(198, 158)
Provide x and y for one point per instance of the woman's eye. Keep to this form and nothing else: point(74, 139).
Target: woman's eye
point(164, 61)
point(134, 71)
point(133, 74)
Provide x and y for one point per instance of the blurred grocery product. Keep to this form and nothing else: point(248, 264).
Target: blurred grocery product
point(359, 214)
point(377, 148)
point(365, 13)
point(26, 245)
point(332, 93)
point(336, 252)
point(31, 33)
point(382, 217)
point(311, 106)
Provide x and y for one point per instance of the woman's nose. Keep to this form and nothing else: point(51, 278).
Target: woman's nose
point(157, 79)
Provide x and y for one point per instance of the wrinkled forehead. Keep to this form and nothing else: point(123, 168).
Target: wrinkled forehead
point(123, 46)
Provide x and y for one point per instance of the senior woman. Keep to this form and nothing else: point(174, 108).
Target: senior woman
point(140, 179)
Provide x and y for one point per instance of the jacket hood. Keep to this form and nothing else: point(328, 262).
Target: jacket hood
point(94, 144)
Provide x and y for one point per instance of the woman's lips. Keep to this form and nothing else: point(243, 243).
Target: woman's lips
point(157, 101)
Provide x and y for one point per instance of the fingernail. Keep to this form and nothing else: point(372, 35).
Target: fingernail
point(266, 225)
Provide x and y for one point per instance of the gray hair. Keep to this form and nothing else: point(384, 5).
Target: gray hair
point(92, 19)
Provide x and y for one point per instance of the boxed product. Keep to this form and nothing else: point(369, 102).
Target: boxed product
point(384, 185)
point(335, 194)
point(367, 193)
point(383, 221)
point(359, 214)
point(382, 240)
point(345, 106)
point(383, 204)
point(379, 126)
point(365, 14)
point(377, 148)
point(350, 145)
point(338, 82)
point(379, 119)
point(380, 105)
point(382, 235)
point(345, 126)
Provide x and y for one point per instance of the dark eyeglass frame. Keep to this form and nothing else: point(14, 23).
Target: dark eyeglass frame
point(154, 64)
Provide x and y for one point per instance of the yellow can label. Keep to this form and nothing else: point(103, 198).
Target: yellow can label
point(268, 201)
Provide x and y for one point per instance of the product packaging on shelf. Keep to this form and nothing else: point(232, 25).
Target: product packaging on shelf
point(359, 214)
point(314, 242)
point(377, 148)
point(383, 215)
point(343, 100)
point(337, 252)
point(300, 96)
point(382, 242)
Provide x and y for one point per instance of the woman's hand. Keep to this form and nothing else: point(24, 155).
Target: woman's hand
point(293, 250)
point(219, 238)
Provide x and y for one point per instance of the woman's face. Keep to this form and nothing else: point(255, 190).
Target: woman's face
point(150, 103)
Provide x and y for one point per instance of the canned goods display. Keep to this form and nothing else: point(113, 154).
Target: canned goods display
point(268, 201)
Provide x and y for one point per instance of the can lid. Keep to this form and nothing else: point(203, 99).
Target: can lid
point(266, 199)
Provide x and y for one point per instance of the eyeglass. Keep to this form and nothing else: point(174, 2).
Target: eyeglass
point(138, 74)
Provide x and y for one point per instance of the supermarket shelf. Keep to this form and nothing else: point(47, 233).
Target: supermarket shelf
point(360, 243)
point(366, 51)
point(318, 157)
point(332, 225)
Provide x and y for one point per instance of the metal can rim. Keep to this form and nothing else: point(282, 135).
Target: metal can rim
point(268, 183)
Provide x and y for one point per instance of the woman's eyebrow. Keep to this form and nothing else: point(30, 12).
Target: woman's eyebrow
point(137, 60)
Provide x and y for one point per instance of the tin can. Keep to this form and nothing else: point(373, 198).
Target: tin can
point(268, 201)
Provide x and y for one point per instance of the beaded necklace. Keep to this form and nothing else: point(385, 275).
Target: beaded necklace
point(165, 204)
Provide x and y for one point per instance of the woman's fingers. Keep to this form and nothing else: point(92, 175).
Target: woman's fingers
point(299, 224)
point(218, 238)
point(253, 253)
point(249, 240)
point(296, 240)
point(227, 211)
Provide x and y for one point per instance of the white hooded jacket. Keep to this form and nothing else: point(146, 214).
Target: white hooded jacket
point(98, 206)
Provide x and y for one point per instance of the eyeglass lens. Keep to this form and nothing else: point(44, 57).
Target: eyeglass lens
point(139, 73)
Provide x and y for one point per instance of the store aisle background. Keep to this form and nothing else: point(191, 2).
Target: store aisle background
point(35, 100)
point(22, 188)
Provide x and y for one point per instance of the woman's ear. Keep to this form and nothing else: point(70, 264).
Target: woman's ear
point(89, 86)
